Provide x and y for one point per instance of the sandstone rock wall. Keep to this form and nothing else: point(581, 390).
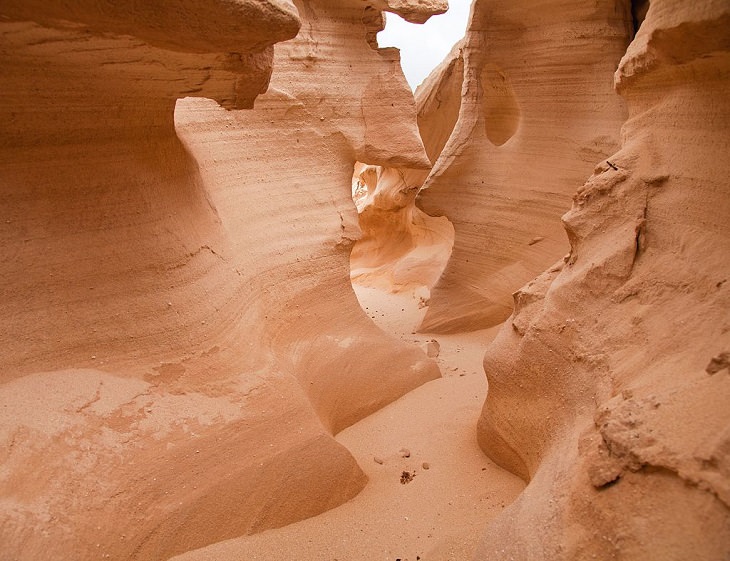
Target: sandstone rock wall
point(537, 112)
point(609, 384)
point(169, 379)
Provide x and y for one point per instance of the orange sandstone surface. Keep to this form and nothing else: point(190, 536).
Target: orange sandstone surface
point(210, 351)
point(174, 363)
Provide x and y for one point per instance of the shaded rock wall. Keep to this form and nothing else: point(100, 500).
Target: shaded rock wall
point(609, 384)
point(537, 112)
point(168, 378)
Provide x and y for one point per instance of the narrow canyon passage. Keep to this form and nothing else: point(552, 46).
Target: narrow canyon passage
point(455, 490)
point(266, 298)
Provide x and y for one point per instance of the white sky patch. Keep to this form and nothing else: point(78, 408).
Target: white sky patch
point(423, 47)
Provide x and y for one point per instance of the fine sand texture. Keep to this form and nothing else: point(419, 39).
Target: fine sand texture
point(451, 490)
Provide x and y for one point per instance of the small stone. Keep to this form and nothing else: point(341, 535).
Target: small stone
point(720, 362)
point(431, 348)
point(426, 465)
point(378, 460)
point(407, 477)
point(535, 240)
point(405, 453)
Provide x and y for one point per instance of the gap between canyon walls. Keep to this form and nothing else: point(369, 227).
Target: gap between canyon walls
point(402, 249)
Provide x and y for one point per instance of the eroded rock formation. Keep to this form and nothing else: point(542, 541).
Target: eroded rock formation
point(608, 386)
point(312, 319)
point(170, 378)
point(401, 246)
point(414, 11)
point(180, 340)
point(537, 112)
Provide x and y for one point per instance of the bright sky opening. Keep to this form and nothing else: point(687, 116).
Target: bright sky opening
point(423, 47)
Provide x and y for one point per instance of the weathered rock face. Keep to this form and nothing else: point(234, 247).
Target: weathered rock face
point(608, 387)
point(101, 198)
point(168, 379)
point(417, 11)
point(538, 111)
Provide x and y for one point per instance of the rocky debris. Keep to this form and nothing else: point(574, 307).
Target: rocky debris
point(718, 363)
point(406, 477)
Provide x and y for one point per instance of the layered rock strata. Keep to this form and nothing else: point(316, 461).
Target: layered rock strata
point(608, 386)
point(169, 376)
point(537, 111)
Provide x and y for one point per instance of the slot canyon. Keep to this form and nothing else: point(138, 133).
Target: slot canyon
point(262, 301)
